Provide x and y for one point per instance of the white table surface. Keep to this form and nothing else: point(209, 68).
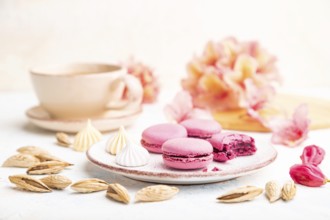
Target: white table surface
point(192, 202)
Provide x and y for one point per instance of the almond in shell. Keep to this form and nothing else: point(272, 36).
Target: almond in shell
point(241, 194)
point(156, 193)
point(90, 185)
point(56, 181)
point(47, 167)
point(118, 193)
point(21, 160)
point(29, 183)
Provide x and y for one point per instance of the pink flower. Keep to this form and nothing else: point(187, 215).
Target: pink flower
point(312, 155)
point(181, 108)
point(147, 78)
point(256, 98)
point(308, 175)
point(216, 78)
point(291, 132)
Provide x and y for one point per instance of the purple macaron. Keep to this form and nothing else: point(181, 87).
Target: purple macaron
point(201, 128)
point(153, 137)
point(187, 153)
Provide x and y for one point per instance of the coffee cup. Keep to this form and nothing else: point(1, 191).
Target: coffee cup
point(85, 90)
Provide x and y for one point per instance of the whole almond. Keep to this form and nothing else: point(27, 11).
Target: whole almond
point(56, 181)
point(39, 153)
point(63, 139)
point(21, 160)
point(273, 191)
point(90, 185)
point(156, 193)
point(29, 183)
point(240, 194)
point(289, 190)
point(118, 193)
point(48, 167)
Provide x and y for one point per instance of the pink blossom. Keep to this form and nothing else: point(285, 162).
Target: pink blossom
point(256, 98)
point(291, 132)
point(181, 108)
point(308, 175)
point(312, 154)
point(147, 78)
point(216, 78)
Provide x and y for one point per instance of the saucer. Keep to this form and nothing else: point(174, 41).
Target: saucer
point(111, 120)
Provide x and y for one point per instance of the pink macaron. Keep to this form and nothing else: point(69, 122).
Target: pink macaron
point(187, 153)
point(221, 152)
point(153, 137)
point(201, 128)
point(227, 144)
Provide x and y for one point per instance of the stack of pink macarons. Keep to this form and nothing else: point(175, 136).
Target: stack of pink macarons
point(194, 143)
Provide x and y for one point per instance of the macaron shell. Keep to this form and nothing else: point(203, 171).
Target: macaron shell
point(158, 134)
point(187, 163)
point(153, 148)
point(202, 128)
point(187, 147)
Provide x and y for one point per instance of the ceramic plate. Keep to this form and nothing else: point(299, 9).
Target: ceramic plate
point(110, 121)
point(155, 171)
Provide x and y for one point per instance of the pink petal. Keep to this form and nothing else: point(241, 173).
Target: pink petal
point(180, 106)
point(257, 97)
point(291, 132)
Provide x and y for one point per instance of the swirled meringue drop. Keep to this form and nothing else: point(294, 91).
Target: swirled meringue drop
point(132, 155)
point(117, 142)
point(86, 137)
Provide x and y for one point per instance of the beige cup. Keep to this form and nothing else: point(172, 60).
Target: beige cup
point(84, 90)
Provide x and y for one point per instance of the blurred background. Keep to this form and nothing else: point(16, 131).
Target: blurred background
point(162, 34)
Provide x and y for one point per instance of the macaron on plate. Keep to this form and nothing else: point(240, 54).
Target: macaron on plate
point(158, 172)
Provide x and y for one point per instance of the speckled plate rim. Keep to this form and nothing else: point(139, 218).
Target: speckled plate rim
point(180, 176)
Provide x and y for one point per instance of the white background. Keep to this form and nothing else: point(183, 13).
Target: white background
point(163, 34)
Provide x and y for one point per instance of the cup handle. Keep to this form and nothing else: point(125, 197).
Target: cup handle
point(117, 89)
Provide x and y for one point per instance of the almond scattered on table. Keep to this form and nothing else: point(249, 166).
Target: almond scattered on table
point(273, 191)
point(29, 183)
point(47, 167)
point(118, 193)
point(289, 190)
point(90, 185)
point(21, 160)
point(241, 194)
point(63, 139)
point(156, 193)
point(56, 181)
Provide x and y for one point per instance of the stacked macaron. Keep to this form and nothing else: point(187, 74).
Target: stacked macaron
point(194, 143)
point(154, 136)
